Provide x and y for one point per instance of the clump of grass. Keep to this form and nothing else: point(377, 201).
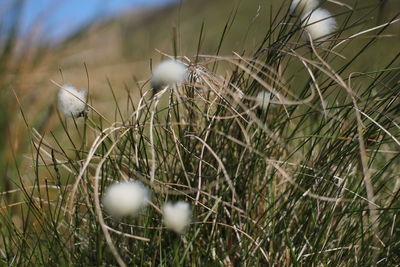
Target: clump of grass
point(312, 181)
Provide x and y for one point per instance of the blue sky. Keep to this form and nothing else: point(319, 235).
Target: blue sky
point(62, 17)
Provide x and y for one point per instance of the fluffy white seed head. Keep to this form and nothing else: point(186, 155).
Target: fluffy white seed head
point(319, 24)
point(71, 101)
point(168, 73)
point(126, 198)
point(177, 216)
point(299, 7)
point(263, 99)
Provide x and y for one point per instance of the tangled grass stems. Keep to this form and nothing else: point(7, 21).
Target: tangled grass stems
point(312, 181)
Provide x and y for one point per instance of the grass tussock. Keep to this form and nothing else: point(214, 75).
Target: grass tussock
point(309, 177)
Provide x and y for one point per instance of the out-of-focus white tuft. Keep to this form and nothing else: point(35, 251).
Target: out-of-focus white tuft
point(71, 101)
point(263, 99)
point(319, 24)
point(177, 216)
point(168, 73)
point(299, 7)
point(126, 198)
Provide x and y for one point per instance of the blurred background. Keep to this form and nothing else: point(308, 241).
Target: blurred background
point(103, 44)
point(58, 19)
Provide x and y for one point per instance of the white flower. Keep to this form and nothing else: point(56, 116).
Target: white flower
point(126, 198)
point(319, 24)
point(177, 216)
point(263, 99)
point(302, 6)
point(71, 101)
point(168, 73)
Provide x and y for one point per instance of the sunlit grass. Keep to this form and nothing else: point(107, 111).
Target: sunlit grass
point(311, 178)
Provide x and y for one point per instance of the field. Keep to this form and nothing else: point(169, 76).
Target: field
point(306, 175)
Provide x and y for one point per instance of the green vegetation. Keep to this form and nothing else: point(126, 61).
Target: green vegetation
point(313, 179)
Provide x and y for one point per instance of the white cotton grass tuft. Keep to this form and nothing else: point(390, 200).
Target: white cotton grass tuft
point(177, 216)
point(71, 101)
point(319, 24)
point(126, 198)
point(299, 7)
point(168, 73)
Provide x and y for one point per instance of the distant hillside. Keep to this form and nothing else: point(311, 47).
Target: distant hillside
point(133, 39)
